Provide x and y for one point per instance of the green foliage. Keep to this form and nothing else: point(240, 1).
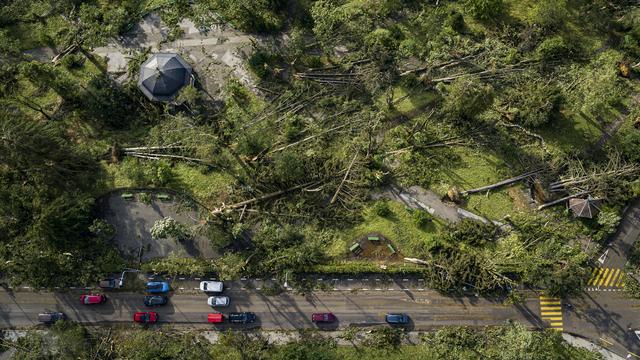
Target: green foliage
point(262, 63)
point(257, 16)
point(485, 9)
point(170, 228)
point(421, 218)
point(229, 266)
point(629, 143)
point(387, 338)
point(472, 232)
point(554, 48)
point(177, 265)
point(534, 103)
point(381, 44)
point(381, 208)
point(147, 173)
point(550, 15)
point(608, 219)
point(310, 346)
point(465, 98)
point(512, 341)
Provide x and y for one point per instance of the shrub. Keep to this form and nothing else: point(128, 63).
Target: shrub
point(485, 9)
point(466, 97)
point(554, 48)
point(381, 208)
point(550, 15)
point(261, 62)
point(421, 218)
point(169, 228)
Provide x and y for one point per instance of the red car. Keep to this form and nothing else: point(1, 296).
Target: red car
point(92, 299)
point(323, 317)
point(145, 317)
point(215, 318)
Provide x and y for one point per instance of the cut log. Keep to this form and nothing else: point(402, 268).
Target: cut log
point(346, 175)
point(260, 198)
point(555, 202)
point(502, 183)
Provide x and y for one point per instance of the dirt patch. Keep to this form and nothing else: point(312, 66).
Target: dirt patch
point(376, 247)
point(134, 213)
point(520, 199)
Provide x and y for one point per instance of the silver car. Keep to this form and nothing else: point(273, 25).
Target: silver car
point(218, 301)
point(211, 286)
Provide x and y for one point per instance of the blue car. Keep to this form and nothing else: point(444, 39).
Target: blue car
point(399, 319)
point(157, 287)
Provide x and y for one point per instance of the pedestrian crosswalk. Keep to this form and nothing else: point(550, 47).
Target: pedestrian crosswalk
point(551, 312)
point(606, 277)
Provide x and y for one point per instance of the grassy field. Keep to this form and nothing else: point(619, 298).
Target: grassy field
point(476, 169)
point(399, 227)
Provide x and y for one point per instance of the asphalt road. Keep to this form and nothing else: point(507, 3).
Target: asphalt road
point(603, 317)
point(284, 311)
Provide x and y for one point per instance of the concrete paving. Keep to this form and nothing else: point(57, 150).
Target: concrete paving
point(215, 55)
point(133, 220)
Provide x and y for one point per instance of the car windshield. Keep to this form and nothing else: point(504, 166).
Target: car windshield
point(87, 300)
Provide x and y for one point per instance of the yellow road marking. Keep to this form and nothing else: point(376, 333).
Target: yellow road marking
point(601, 281)
point(558, 329)
point(632, 354)
point(553, 318)
point(549, 302)
point(593, 274)
point(594, 279)
point(550, 308)
point(611, 277)
point(547, 314)
point(608, 342)
point(556, 323)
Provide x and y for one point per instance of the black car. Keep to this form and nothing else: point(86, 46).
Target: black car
point(155, 300)
point(242, 317)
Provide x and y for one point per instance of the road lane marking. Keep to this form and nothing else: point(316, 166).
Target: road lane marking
point(603, 276)
point(612, 276)
point(551, 312)
point(594, 278)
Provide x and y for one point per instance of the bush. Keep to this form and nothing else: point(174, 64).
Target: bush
point(466, 97)
point(485, 9)
point(262, 62)
point(169, 228)
point(421, 218)
point(554, 48)
point(629, 144)
point(381, 208)
point(73, 61)
point(550, 15)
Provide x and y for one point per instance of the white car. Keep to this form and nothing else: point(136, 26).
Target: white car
point(216, 301)
point(211, 286)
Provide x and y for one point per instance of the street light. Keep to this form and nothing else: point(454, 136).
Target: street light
point(121, 282)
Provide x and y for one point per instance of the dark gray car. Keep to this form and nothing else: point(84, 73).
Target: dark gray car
point(51, 317)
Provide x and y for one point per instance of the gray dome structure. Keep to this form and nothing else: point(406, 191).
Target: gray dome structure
point(163, 75)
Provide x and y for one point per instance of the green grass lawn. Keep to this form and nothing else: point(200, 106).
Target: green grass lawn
point(398, 227)
point(476, 169)
point(571, 131)
point(210, 188)
point(407, 102)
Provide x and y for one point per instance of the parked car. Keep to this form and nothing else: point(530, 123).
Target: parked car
point(242, 317)
point(211, 286)
point(51, 317)
point(397, 318)
point(108, 284)
point(217, 301)
point(323, 317)
point(157, 287)
point(92, 299)
point(155, 300)
point(215, 318)
point(148, 317)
